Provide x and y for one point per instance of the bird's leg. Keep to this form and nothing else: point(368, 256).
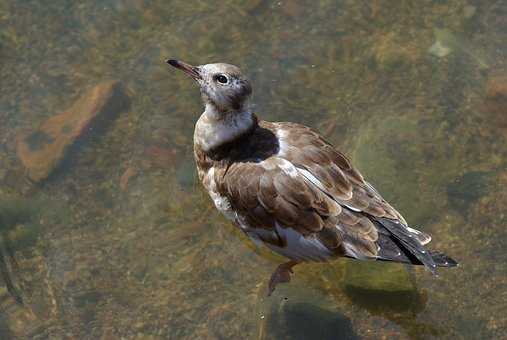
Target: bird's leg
point(281, 275)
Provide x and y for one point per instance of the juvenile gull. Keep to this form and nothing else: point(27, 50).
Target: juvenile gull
point(284, 186)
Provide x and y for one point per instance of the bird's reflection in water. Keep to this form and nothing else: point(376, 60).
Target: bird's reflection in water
point(301, 320)
point(389, 291)
point(298, 312)
point(344, 294)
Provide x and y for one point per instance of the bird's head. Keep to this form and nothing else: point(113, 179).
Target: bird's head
point(222, 85)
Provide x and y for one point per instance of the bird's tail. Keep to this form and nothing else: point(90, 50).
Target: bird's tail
point(442, 260)
point(401, 244)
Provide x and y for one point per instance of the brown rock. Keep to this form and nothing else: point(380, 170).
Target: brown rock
point(42, 150)
point(497, 88)
point(125, 178)
point(496, 100)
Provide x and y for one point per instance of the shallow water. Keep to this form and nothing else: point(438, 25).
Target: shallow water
point(120, 241)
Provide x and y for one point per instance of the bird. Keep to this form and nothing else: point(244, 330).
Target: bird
point(288, 188)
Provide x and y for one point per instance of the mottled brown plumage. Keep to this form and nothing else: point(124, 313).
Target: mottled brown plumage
point(288, 188)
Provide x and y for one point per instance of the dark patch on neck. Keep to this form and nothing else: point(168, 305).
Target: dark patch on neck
point(255, 145)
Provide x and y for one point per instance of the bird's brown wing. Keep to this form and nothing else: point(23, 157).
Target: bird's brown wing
point(334, 173)
point(307, 200)
point(277, 191)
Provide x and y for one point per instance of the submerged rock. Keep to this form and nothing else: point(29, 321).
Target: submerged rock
point(444, 44)
point(447, 42)
point(497, 88)
point(495, 104)
point(388, 150)
point(42, 150)
point(381, 286)
point(438, 49)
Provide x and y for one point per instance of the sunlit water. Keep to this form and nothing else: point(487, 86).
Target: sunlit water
point(121, 241)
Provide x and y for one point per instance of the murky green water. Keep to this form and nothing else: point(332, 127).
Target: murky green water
point(121, 242)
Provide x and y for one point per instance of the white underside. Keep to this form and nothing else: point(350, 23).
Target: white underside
point(299, 247)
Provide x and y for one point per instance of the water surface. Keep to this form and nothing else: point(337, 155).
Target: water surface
point(121, 241)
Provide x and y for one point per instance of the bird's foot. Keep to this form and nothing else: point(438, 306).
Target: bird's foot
point(281, 275)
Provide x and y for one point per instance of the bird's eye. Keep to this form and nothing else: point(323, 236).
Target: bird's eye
point(221, 79)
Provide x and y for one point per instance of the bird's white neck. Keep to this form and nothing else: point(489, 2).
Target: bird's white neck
point(215, 128)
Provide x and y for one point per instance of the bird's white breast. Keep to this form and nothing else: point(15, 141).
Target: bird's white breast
point(222, 203)
point(211, 130)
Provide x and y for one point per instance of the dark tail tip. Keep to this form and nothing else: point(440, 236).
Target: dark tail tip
point(172, 62)
point(442, 260)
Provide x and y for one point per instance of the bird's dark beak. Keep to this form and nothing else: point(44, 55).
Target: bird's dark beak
point(187, 68)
